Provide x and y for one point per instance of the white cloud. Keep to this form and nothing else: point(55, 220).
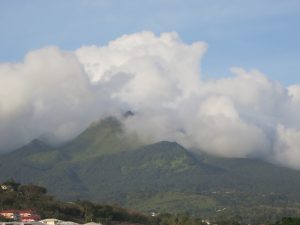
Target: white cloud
point(57, 94)
point(48, 95)
point(286, 148)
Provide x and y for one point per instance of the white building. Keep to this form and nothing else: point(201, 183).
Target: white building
point(21, 223)
point(92, 223)
point(53, 221)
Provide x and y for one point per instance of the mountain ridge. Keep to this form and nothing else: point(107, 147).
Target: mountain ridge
point(159, 176)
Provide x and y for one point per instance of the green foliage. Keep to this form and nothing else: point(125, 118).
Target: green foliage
point(32, 190)
point(11, 184)
point(288, 221)
point(175, 202)
point(104, 165)
point(178, 219)
point(45, 157)
point(34, 197)
point(102, 138)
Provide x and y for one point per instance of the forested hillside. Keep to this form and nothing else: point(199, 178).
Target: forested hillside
point(35, 197)
point(104, 165)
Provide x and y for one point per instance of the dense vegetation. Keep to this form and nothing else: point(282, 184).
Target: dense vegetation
point(287, 221)
point(35, 198)
point(104, 165)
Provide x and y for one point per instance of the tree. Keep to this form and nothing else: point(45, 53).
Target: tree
point(12, 183)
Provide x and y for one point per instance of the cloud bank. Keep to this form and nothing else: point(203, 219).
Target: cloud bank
point(56, 94)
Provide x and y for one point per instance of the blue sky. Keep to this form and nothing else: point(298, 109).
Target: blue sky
point(261, 34)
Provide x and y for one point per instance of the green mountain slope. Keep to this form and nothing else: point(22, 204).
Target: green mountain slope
point(104, 165)
point(102, 138)
point(155, 168)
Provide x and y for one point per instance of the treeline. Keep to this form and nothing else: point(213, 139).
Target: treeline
point(287, 221)
point(28, 196)
point(16, 196)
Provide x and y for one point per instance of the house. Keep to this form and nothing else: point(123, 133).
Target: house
point(51, 221)
point(93, 223)
point(206, 221)
point(153, 214)
point(69, 223)
point(20, 223)
point(20, 215)
point(28, 216)
point(5, 187)
point(10, 214)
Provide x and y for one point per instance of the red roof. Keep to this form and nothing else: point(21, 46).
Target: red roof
point(16, 211)
point(8, 211)
point(24, 218)
point(30, 218)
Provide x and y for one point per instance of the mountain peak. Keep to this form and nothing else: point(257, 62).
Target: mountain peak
point(103, 137)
